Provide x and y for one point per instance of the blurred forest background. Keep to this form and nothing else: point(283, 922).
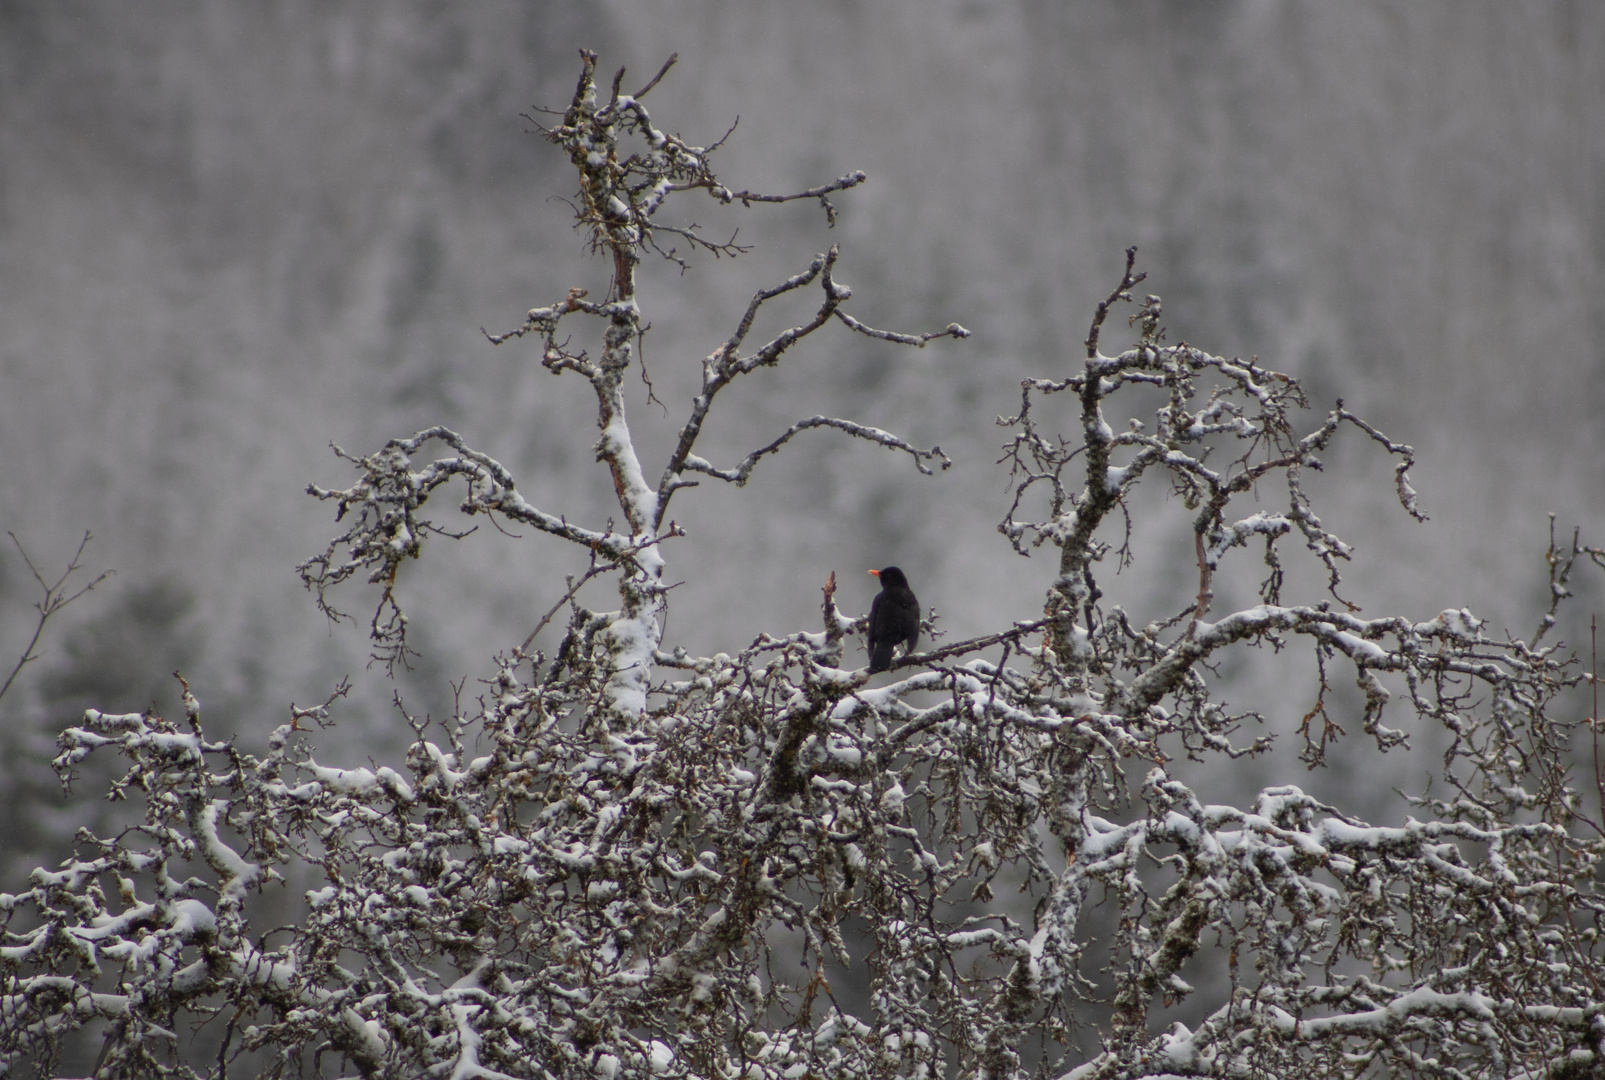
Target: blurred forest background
point(231, 234)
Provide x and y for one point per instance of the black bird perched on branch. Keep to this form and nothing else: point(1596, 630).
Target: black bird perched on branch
point(894, 618)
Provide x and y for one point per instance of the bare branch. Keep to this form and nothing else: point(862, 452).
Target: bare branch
point(1128, 281)
point(726, 363)
point(747, 198)
point(743, 471)
point(55, 598)
point(662, 71)
point(953, 330)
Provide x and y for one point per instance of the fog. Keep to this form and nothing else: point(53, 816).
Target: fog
point(230, 235)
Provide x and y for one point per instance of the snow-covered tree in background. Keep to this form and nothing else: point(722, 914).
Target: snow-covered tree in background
point(629, 860)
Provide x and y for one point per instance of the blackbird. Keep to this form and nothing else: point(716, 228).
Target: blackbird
point(894, 618)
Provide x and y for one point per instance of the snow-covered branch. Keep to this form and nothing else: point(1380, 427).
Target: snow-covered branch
point(624, 860)
point(628, 171)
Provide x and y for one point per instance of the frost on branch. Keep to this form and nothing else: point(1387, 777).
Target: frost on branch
point(628, 172)
point(625, 860)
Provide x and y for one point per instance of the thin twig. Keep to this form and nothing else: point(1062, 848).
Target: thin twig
point(574, 587)
point(1010, 636)
point(1205, 592)
point(55, 599)
point(1128, 281)
point(662, 71)
point(596, 569)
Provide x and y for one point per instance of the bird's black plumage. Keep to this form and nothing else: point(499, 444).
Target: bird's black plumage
point(894, 618)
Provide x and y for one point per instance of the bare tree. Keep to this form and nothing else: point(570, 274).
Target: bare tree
point(626, 860)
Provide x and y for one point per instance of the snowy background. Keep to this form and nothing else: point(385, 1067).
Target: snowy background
point(230, 235)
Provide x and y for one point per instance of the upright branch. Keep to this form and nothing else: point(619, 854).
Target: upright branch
point(728, 362)
point(1247, 416)
point(629, 170)
point(56, 596)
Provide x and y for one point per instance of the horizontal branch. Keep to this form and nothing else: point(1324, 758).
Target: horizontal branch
point(952, 330)
point(747, 198)
point(388, 527)
point(740, 474)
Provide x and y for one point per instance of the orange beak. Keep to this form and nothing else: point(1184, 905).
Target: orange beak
point(877, 573)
